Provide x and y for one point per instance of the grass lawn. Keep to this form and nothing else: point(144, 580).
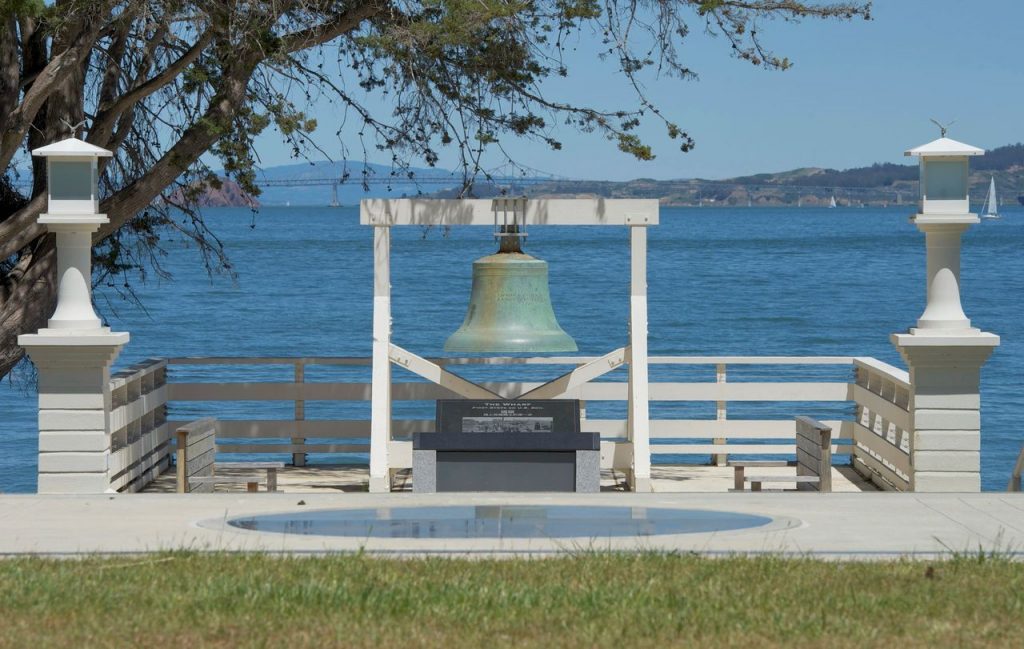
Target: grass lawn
point(588, 600)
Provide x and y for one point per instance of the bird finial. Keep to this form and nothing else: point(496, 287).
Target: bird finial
point(73, 128)
point(942, 128)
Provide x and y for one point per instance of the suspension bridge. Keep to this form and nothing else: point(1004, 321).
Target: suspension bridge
point(520, 179)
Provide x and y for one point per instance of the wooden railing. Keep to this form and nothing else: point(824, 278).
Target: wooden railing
point(675, 382)
point(882, 431)
point(1018, 468)
point(139, 439)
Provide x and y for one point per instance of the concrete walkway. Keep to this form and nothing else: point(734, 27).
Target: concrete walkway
point(837, 525)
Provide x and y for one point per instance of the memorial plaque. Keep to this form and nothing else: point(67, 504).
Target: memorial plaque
point(514, 445)
point(510, 416)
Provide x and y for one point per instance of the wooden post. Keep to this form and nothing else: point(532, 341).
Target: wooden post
point(638, 424)
point(180, 459)
point(299, 459)
point(720, 459)
point(380, 398)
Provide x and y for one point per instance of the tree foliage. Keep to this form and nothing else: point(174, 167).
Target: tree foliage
point(162, 83)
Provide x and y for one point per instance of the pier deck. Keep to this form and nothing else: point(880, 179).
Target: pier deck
point(328, 478)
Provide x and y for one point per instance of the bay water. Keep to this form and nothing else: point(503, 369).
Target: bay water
point(722, 281)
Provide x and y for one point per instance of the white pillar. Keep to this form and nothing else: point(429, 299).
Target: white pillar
point(74, 408)
point(945, 408)
point(73, 354)
point(944, 353)
point(638, 421)
point(380, 398)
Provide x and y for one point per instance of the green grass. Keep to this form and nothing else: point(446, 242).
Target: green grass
point(588, 600)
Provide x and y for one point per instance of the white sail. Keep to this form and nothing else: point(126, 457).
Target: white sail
point(990, 209)
point(832, 202)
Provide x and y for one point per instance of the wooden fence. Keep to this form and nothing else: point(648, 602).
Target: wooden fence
point(867, 398)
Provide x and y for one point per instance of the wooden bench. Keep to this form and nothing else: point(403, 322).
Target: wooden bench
point(197, 470)
point(813, 461)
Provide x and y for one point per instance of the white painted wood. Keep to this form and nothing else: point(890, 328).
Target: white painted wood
point(737, 449)
point(299, 459)
point(708, 449)
point(880, 474)
point(437, 375)
point(380, 406)
point(879, 448)
point(147, 443)
point(617, 455)
point(639, 386)
point(72, 462)
point(876, 404)
point(707, 391)
point(952, 461)
point(138, 408)
point(947, 440)
point(293, 448)
point(947, 481)
point(736, 429)
point(873, 365)
point(512, 360)
point(96, 441)
point(538, 211)
point(312, 428)
point(576, 378)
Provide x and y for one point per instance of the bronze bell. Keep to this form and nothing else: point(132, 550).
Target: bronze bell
point(510, 306)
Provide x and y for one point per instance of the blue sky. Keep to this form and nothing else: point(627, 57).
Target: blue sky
point(859, 92)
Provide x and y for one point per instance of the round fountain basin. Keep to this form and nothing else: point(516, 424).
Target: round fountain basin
point(500, 521)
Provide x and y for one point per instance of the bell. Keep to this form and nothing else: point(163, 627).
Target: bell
point(510, 306)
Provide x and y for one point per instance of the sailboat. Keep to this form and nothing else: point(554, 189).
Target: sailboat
point(990, 210)
point(832, 202)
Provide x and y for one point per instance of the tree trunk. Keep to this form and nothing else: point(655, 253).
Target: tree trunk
point(29, 303)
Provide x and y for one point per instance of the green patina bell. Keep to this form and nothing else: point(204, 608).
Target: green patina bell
point(510, 307)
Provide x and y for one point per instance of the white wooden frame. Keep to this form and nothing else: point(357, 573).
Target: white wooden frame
point(383, 214)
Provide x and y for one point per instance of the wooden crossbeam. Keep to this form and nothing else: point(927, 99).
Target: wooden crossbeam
point(437, 374)
point(583, 374)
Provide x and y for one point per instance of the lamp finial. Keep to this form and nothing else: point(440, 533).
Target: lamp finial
point(942, 127)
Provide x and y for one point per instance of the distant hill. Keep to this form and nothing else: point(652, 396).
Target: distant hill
point(227, 194)
point(880, 183)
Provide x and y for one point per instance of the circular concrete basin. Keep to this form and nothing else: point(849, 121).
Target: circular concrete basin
point(500, 521)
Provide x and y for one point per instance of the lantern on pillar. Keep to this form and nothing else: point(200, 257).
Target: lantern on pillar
point(73, 214)
point(510, 305)
point(943, 215)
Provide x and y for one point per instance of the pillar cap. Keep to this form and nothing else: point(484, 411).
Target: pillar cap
point(70, 338)
point(71, 147)
point(72, 219)
point(943, 147)
point(945, 339)
point(945, 219)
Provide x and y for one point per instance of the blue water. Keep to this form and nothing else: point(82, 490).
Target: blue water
point(744, 281)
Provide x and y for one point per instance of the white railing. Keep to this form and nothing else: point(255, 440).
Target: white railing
point(139, 436)
point(882, 431)
point(783, 382)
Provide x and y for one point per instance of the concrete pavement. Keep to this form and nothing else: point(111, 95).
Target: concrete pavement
point(836, 525)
